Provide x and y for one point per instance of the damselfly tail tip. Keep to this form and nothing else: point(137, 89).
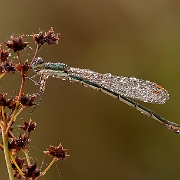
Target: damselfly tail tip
point(173, 127)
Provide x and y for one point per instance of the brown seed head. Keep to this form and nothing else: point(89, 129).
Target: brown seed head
point(10, 103)
point(16, 43)
point(3, 54)
point(8, 67)
point(57, 152)
point(19, 143)
point(31, 171)
point(28, 126)
point(28, 100)
point(46, 37)
point(24, 67)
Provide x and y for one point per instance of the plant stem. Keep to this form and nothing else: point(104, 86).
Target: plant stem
point(7, 155)
point(13, 118)
point(36, 52)
point(3, 74)
point(27, 156)
point(18, 168)
point(44, 172)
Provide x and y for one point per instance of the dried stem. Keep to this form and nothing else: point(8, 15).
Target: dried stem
point(22, 78)
point(19, 169)
point(2, 125)
point(27, 156)
point(2, 112)
point(3, 74)
point(36, 52)
point(52, 162)
point(19, 58)
point(14, 116)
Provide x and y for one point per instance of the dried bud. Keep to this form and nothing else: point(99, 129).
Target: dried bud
point(8, 67)
point(3, 54)
point(3, 101)
point(48, 37)
point(20, 143)
point(31, 171)
point(28, 126)
point(57, 152)
point(27, 100)
point(32, 126)
point(16, 43)
point(25, 126)
point(24, 67)
point(10, 103)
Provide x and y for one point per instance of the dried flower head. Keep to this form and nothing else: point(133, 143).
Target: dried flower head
point(3, 101)
point(8, 67)
point(16, 43)
point(23, 67)
point(3, 54)
point(10, 103)
point(46, 37)
point(19, 143)
point(28, 100)
point(28, 126)
point(31, 171)
point(57, 152)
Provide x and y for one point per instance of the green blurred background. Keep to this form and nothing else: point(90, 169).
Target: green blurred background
point(106, 138)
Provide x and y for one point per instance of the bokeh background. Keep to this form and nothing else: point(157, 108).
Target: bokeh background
point(106, 138)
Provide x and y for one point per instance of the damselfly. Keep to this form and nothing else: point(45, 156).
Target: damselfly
point(118, 87)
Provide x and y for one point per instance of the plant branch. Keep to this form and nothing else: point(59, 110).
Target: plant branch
point(2, 112)
point(27, 156)
point(36, 52)
point(3, 74)
point(14, 116)
point(52, 162)
point(18, 168)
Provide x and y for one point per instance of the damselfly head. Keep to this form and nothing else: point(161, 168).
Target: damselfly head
point(38, 64)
